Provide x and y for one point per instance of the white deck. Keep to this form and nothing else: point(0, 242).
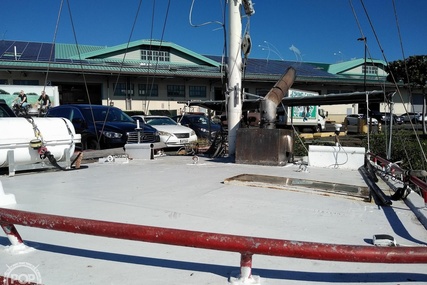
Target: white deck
point(173, 192)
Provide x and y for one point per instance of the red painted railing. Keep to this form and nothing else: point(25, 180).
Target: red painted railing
point(246, 246)
point(407, 176)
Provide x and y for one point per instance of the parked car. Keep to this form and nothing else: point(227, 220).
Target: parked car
point(353, 119)
point(5, 110)
point(410, 117)
point(420, 118)
point(396, 119)
point(201, 124)
point(171, 133)
point(384, 117)
point(103, 126)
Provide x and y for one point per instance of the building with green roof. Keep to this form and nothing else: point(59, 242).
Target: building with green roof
point(147, 75)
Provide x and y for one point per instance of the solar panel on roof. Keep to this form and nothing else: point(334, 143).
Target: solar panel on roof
point(30, 52)
point(9, 48)
point(25, 50)
point(45, 52)
point(4, 46)
point(265, 66)
point(20, 47)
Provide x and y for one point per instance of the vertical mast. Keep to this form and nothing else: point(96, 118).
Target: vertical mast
point(235, 90)
point(234, 74)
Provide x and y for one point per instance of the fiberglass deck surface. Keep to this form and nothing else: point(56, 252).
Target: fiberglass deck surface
point(173, 192)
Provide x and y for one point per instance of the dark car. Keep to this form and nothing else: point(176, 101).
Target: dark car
point(396, 119)
point(201, 124)
point(103, 126)
point(384, 117)
point(5, 110)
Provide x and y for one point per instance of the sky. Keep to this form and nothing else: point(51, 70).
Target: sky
point(300, 30)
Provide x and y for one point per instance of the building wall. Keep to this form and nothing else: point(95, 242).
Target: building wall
point(101, 92)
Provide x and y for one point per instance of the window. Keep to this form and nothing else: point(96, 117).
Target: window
point(261, 91)
point(370, 69)
point(121, 88)
point(176, 91)
point(332, 91)
point(197, 91)
point(25, 82)
point(61, 112)
point(149, 90)
point(3, 81)
point(154, 55)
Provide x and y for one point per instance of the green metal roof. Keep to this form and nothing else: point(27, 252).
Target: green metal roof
point(92, 59)
point(92, 52)
point(340, 67)
point(72, 51)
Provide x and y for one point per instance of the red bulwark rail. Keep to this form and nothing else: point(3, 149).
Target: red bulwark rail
point(409, 175)
point(241, 244)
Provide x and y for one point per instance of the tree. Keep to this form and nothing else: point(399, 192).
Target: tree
point(412, 72)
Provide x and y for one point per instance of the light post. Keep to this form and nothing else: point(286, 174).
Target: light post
point(364, 39)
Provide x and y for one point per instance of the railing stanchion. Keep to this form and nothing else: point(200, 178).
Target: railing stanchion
point(245, 266)
point(12, 234)
point(245, 277)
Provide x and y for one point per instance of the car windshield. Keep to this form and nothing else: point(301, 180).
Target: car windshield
point(200, 120)
point(112, 114)
point(158, 121)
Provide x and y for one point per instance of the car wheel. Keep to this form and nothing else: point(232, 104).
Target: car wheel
point(91, 143)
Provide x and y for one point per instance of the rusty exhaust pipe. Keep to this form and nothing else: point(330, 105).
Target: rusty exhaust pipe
point(274, 97)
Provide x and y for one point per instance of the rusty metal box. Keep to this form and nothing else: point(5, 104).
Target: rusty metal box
point(263, 146)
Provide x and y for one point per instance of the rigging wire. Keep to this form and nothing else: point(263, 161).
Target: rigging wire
point(401, 46)
point(98, 135)
point(81, 67)
point(147, 102)
point(53, 44)
point(366, 47)
point(385, 59)
point(127, 48)
point(190, 16)
point(394, 80)
point(78, 49)
point(150, 56)
point(224, 55)
point(407, 78)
